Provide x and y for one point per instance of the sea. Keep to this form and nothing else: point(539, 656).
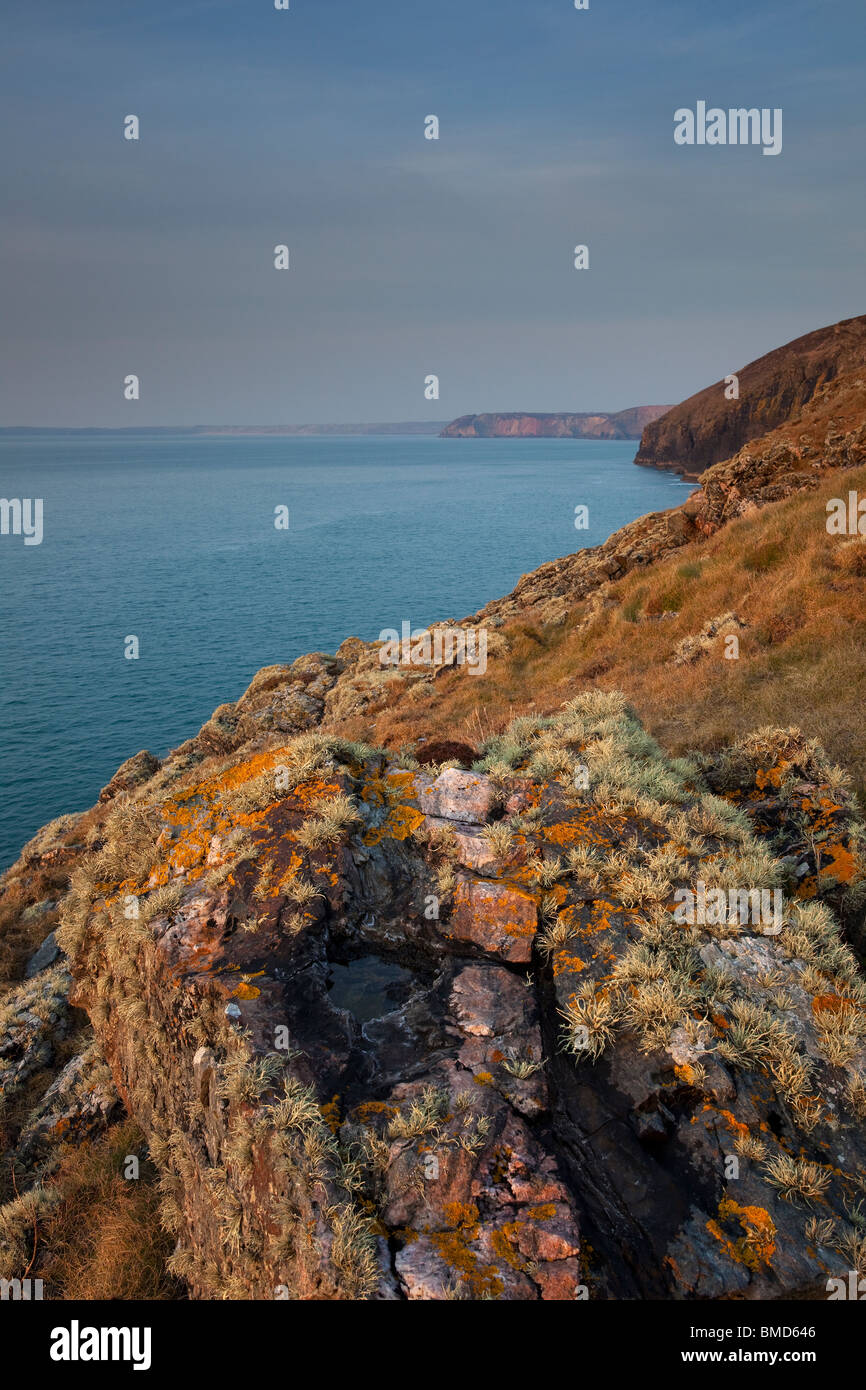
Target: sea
point(223, 554)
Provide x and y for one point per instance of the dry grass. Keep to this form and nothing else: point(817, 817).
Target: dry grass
point(20, 935)
point(801, 653)
point(103, 1239)
point(796, 1180)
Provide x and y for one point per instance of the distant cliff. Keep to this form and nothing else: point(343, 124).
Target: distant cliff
point(624, 424)
point(708, 428)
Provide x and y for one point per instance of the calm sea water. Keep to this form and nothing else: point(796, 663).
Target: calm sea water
point(172, 539)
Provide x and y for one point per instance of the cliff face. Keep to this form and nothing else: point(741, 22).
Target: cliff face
point(624, 424)
point(707, 428)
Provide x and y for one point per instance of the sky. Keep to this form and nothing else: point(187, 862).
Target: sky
point(412, 257)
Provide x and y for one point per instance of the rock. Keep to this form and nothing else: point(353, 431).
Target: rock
point(37, 910)
point(623, 424)
point(497, 919)
point(473, 851)
point(36, 1020)
point(696, 645)
point(459, 796)
point(132, 774)
point(46, 955)
point(80, 1104)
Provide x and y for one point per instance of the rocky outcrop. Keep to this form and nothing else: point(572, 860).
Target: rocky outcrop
point(623, 424)
point(708, 427)
point(404, 1033)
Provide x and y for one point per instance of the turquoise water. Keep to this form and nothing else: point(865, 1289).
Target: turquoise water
point(171, 538)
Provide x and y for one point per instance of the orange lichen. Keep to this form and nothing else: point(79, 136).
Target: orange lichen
point(371, 1109)
point(829, 1004)
point(463, 1214)
point(563, 960)
point(331, 1113)
point(453, 1248)
point(757, 1245)
point(544, 1212)
point(838, 862)
point(773, 775)
point(401, 819)
point(504, 1242)
point(501, 1162)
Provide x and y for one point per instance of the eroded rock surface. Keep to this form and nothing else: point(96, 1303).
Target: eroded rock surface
point(389, 1039)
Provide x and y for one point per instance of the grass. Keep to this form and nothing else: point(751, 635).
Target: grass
point(520, 1067)
point(101, 1235)
point(590, 1022)
point(329, 825)
point(424, 1116)
point(812, 676)
point(661, 982)
point(500, 838)
point(797, 1181)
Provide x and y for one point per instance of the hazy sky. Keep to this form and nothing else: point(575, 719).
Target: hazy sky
point(410, 256)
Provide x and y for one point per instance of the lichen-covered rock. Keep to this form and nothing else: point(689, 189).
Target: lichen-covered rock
point(456, 795)
point(80, 1103)
point(371, 1065)
point(131, 774)
point(498, 919)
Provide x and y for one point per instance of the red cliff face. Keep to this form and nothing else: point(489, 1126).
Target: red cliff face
point(624, 424)
point(707, 428)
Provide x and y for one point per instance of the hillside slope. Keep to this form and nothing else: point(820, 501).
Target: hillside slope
point(751, 539)
point(707, 427)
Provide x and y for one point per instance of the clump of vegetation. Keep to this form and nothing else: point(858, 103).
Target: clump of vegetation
point(760, 558)
point(547, 871)
point(425, 1115)
point(500, 838)
point(101, 1232)
point(591, 1018)
point(520, 1066)
point(556, 932)
point(855, 1094)
point(333, 819)
point(750, 1146)
point(796, 1180)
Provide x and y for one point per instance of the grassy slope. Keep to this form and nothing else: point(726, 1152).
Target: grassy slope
point(798, 589)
